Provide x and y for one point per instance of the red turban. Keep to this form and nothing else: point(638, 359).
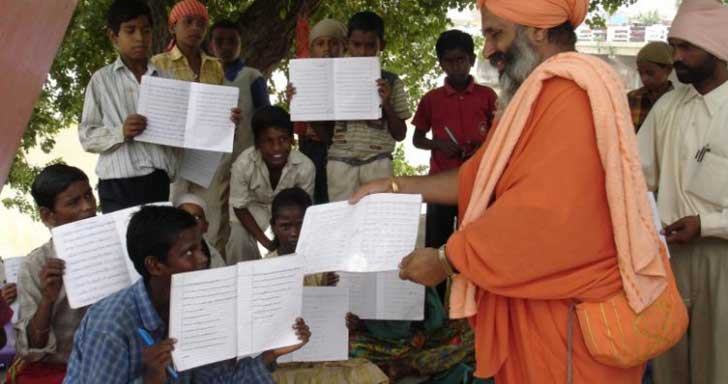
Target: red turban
point(187, 8)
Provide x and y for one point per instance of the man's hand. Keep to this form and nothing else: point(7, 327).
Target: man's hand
point(450, 149)
point(376, 186)
point(134, 125)
point(303, 333)
point(155, 360)
point(422, 267)
point(235, 116)
point(9, 293)
point(384, 91)
point(683, 231)
point(290, 92)
point(353, 322)
point(330, 279)
point(51, 279)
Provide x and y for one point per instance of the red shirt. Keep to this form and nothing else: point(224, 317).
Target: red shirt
point(467, 114)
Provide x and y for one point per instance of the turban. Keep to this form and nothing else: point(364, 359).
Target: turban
point(656, 52)
point(327, 28)
point(538, 13)
point(190, 198)
point(187, 8)
point(703, 23)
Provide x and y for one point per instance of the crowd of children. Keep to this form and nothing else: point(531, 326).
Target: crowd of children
point(257, 200)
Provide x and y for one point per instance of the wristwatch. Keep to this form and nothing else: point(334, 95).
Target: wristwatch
point(442, 257)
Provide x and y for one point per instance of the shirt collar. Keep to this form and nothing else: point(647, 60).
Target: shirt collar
point(152, 70)
point(232, 72)
point(150, 317)
point(449, 90)
point(714, 100)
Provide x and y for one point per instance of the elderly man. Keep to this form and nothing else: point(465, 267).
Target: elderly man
point(554, 209)
point(684, 148)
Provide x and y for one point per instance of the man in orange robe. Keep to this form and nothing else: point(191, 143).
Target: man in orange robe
point(546, 241)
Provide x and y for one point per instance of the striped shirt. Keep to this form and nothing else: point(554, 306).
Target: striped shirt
point(64, 320)
point(362, 141)
point(111, 96)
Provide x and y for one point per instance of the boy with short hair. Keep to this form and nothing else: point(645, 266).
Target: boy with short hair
point(654, 64)
point(361, 151)
point(195, 206)
point(258, 175)
point(225, 45)
point(130, 172)
point(459, 114)
point(162, 241)
point(47, 323)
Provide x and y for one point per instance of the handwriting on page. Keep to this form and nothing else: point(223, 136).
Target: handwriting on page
point(164, 103)
point(394, 226)
point(95, 259)
point(356, 92)
point(362, 293)
point(202, 313)
point(209, 126)
point(314, 89)
point(326, 232)
point(399, 299)
point(324, 309)
point(275, 305)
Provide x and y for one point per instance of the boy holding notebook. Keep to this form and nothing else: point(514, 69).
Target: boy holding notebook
point(361, 151)
point(108, 347)
point(47, 323)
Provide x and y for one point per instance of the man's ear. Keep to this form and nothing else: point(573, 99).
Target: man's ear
point(538, 36)
point(113, 37)
point(154, 266)
point(47, 216)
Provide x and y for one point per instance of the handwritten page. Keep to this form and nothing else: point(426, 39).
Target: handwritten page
point(373, 235)
point(335, 89)
point(12, 268)
point(199, 166)
point(164, 103)
point(208, 124)
point(97, 260)
point(383, 296)
point(186, 114)
point(324, 309)
point(269, 301)
point(202, 314)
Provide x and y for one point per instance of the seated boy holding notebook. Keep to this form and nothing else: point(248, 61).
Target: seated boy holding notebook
point(108, 347)
point(47, 323)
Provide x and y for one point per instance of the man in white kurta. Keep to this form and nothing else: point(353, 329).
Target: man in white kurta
point(684, 149)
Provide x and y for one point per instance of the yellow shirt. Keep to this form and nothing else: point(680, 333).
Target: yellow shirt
point(175, 63)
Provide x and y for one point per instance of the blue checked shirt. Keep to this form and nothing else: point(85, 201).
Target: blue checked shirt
point(107, 348)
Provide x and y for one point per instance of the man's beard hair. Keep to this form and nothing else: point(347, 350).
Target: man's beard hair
point(520, 61)
point(698, 74)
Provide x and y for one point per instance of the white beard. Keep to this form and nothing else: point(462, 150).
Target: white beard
point(522, 60)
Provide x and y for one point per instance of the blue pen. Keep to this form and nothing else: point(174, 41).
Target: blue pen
point(149, 342)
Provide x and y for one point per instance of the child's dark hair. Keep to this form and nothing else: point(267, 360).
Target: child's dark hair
point(153, 231)
point(122, 11)
point(290, 197)
point(225, 24)
point(53, 180)
point(454, 39)
point(271, 116)
point(367, 21)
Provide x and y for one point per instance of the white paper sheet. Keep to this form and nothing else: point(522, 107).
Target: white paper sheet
point(373, 235)
point(335, 89)
point(324, 310)
point(97, 261)
point(12, 267)
point(383, 296)
point(202, 315)
point(657, 220)
point(269, 301)
point(186, 114)
point(199, 166)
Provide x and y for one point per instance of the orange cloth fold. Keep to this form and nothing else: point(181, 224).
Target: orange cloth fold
point(579, 265)
point(539, 13)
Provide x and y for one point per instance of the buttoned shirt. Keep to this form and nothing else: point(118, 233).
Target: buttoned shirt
point(642, 100)
point(176, 64)
point(683, 146)
point(108, 349)
point(250, 183)
point(111, 96)
point(64, 320)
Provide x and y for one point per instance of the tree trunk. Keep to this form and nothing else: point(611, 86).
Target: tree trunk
point(160, 31)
